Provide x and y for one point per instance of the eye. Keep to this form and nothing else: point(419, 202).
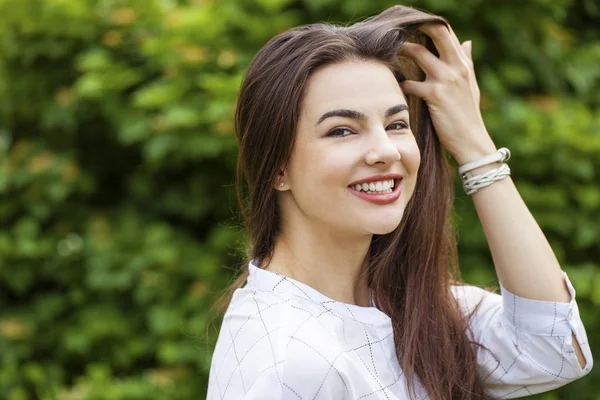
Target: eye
point(340, 132)
point(398, 126)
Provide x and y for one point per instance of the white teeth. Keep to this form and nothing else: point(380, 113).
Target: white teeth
point(381, 186)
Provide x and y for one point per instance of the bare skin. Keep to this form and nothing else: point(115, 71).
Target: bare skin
point(326, 230)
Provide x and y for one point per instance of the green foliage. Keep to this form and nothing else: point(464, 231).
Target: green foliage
point(117, 154)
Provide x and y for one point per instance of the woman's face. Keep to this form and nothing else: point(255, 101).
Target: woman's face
point(353, 133)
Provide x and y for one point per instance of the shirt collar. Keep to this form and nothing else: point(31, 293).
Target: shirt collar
point(267, 281)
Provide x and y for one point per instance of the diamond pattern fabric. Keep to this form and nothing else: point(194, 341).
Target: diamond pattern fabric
point(282, 339)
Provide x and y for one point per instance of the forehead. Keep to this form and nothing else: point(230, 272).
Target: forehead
point(365, 85)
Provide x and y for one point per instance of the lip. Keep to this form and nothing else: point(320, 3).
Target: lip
point(375, 178)
point(379, 198)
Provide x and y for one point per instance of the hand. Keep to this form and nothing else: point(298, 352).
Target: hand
point(451, 93)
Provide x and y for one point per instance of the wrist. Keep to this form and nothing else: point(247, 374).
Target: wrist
point(471, 154)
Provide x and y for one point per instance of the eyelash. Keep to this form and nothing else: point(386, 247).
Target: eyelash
point(332, 132)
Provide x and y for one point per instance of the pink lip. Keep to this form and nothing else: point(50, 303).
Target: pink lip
point(375, 178)
point(379, 198)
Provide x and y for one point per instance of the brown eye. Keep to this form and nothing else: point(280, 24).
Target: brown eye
point(340, 132)
point(398, 126)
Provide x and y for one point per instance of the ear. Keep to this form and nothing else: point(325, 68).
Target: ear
point(281, 184)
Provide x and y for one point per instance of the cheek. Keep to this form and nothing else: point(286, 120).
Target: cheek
point(413, 163)
point(323, 167)
point(411, 156)
point(319, 177)
point(416, 158)
point(335, 168)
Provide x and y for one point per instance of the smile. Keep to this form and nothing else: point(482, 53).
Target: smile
point(378, 187)
point(380, 192)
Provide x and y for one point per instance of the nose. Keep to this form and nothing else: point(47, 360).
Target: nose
point(381, 149)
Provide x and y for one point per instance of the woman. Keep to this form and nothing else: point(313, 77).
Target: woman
point(352, 284)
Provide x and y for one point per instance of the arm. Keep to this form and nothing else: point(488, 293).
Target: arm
point(523, 346)
point(524, 261)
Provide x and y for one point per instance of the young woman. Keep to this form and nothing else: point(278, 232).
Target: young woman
point(351, 290)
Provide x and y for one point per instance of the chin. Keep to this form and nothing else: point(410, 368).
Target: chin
point(384, 224)
point(372, 223)
point(383, 228)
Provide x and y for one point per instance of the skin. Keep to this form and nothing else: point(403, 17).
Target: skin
point(523, 259)
point(326, 231)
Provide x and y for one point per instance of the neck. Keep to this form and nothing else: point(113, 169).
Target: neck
point(328, 262)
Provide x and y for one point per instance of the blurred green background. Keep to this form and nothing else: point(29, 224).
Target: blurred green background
point(117, 155)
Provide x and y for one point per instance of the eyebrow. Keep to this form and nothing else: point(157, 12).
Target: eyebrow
point(359, 115)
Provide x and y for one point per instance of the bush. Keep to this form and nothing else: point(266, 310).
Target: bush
point(117, 154)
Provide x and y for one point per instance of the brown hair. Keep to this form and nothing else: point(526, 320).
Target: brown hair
point(410, 269)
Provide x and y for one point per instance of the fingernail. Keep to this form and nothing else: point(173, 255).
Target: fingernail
point(469, 46)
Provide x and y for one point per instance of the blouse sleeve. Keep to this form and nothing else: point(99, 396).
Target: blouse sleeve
point(527, 343)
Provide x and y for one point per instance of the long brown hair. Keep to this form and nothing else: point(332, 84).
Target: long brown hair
point(410, 269)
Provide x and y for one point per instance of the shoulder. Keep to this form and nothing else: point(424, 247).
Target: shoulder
point(258, 319)
point(472, 298)
point(315, 368)
point(271, 342)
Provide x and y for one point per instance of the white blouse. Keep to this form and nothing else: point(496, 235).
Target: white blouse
point(282, 339)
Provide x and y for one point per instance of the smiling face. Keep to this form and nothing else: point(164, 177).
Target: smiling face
point(353, 125)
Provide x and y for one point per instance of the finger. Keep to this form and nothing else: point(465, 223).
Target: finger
point(468, 49)
point(453, 35)
point(442, 39)
point(414, 88)
point(464, 54)
point(428, 62)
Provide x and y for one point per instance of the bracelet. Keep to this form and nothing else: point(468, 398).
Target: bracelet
point(472, 184)
point(501, 155)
